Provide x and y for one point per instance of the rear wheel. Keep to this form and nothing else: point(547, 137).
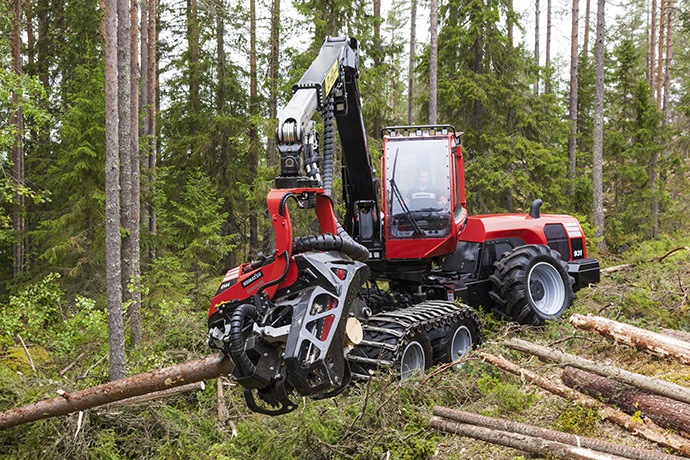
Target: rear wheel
point(531, 285)
point(453, 342)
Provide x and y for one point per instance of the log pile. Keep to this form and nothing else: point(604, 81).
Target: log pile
point(535, 440)
point(654, 409)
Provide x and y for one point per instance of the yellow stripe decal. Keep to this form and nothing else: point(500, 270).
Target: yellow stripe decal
point(330, 79)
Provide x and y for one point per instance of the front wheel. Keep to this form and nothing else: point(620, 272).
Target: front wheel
point(531, 285)
point(415, 356)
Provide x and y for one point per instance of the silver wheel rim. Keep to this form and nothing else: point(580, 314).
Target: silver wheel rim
point(412, 361)
point(461, 343)
point(546, 289)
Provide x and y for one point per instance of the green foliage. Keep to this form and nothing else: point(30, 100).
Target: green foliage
point(578, 420)
point(195, 243)
point(32, 312)
point(504, 397)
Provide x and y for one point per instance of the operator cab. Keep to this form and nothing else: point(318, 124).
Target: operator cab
point(421, 201)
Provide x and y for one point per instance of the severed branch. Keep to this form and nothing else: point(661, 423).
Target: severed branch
point(661, 387)
point(655, 259)
point(71, 365)
point(28, 355)
point(646, 429)
point(196, 386)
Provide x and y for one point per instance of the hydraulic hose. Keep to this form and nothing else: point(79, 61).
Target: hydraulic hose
point(237, 342)
point(328, 147)
point(330, 242)
point(342, 242)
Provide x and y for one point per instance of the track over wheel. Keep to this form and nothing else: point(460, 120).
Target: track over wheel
point(454, 341)
point(531, 285)
point(415, 357)
point(405, 340)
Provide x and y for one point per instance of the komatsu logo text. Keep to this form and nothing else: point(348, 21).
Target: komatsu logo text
point(256, 276)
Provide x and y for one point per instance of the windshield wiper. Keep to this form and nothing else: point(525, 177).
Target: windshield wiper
point(401, 200)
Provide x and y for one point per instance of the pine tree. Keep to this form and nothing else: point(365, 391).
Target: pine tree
point(112, 198)
point(433, 63)
point(572, 111)
point(18, 219)
point(597, 163)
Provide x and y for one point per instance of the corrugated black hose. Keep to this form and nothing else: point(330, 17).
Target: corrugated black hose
point(237, 342)
point(342, 242)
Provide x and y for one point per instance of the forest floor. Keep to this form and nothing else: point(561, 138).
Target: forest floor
point(381, 419)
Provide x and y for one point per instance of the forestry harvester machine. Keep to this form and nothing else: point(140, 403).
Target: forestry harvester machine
point(396, 285)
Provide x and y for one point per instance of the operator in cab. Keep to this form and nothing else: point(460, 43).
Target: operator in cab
point(424, 195)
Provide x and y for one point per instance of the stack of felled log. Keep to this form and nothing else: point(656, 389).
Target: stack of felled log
point(646, 406)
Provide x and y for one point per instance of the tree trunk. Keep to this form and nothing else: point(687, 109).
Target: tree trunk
point(133, 225)
point(598, 141)
point(193, 37)
point(377, 53)
point(479, 69)
point(547, 83)
point(18, 222)
point(652, 46)
point(144, 102)
point(533, 445)
point(112, 199)
point(647, 429)
point(510, 24)
point(124, 73)
point(153, 110)
point(572, 112)
point(273, 60)
point(660, 65)
point(669, 57)
point(29, 33)
point(666, 412)
point(410, 70)
point(158, 380)
point(433, 64)
point(655, 344)
point(585, 45)
point(661, 387)
point(253, 135)
point(536, 43)
point(550, 435)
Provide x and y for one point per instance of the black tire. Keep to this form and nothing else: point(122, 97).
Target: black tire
point(414, 356)
point(393, 353)
point(531, 285)
point(455, 340)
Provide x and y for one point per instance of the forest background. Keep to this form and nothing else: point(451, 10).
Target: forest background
point(190, 156)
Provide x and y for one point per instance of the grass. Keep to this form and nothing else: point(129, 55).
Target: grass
point(384, 418)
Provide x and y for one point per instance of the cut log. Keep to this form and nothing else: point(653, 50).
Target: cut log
point(656, 344)
point(161, 379)
point(551, 435)
point(662, 387)
point(522, 442)
point(190, 387)
point(676, 334)
point(647, 429)
point(664, 411)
